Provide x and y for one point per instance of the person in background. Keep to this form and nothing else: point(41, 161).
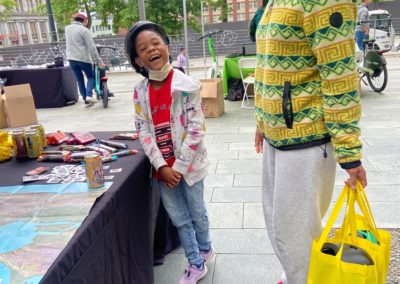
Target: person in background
point(256, 19)
point(81, 53)
point(181, 59)
point(307, 109)
point(362, 29)
point(171, 127)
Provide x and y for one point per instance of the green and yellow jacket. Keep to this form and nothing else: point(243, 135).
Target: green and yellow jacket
point(306, 80)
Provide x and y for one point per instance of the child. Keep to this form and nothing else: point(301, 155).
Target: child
point(181, 59)
point(170, 123)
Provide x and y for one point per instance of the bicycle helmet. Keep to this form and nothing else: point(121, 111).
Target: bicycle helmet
point(130, 41)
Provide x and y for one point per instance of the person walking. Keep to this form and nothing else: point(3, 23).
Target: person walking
point(362, 28)
point(307, 109)
point(81, 53)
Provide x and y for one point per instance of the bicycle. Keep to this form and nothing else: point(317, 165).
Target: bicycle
point(372, 64)
point(101, 87)
point(210, 42)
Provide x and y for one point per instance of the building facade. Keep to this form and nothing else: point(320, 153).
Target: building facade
point(24, 27)
point(238, 10)
point(99, 30)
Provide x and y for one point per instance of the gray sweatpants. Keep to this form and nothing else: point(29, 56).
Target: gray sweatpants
point(297, 191)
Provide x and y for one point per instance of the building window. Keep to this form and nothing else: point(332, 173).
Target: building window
point(241, 17)
point(43, 30)
point(240, 6)
point(230, 18)
point(24, 33)
point(253, 5)
point(34, 33)
point(216, 18)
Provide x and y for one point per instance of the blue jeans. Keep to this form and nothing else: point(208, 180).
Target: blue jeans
point(79, 67)
point(187, 210)
point(360, 37)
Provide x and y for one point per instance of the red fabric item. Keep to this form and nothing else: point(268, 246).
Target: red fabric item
point(160, 105)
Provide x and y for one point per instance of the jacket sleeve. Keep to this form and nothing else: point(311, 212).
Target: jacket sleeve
point(91, 47)
point(146, 139)
point(195, 131)
point(329, 27)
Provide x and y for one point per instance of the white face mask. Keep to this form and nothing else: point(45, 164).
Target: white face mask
point(158, 75)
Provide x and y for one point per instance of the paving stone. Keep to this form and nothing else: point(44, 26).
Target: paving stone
point(242, 180)
point(243, 241)
point(253, 216)
point(237, 194)
point(216, 180)
point(246, 269)
point(239, 166)
point(226, 215)
point(249, 155)
point(241, 146)
point(221, 154)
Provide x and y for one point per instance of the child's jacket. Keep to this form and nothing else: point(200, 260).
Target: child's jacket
point(187, 127)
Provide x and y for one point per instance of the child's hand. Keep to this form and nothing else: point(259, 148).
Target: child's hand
point(170, 177)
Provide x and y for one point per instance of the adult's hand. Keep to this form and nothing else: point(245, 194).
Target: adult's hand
point(258, 141)
point(356, 174)
point(102, 66)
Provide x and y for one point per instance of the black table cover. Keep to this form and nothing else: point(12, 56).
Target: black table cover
point(51, 87)
point(114, 244)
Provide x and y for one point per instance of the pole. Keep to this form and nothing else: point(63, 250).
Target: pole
point(53, 32)
point(142, 10)
point(186, 36)
point(204, 41)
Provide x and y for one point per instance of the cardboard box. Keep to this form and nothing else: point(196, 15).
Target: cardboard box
point(213, 97)
point(3, 116)
point(19, 106)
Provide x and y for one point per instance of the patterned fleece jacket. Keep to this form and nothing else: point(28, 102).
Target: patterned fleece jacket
point(187, 127)
point(306, 81)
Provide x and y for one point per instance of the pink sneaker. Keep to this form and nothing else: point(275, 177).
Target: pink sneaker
point(192, 275)
point(280, 282)
point(207, 255)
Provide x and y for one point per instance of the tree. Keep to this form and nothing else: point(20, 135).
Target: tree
point(167, 13)
point(8, 8)
point(221, 4)
point(63, 11)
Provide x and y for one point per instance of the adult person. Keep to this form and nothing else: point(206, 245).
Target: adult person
point(362, 29)
point(256, 19)
point(307, 108)
point(182, 60)
point(81, 53)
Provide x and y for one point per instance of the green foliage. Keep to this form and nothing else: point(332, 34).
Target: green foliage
point(167, 13)
point(8, 8)
point(221, 4)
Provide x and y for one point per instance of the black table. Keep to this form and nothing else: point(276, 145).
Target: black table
point(51, 87)
point(114, 244)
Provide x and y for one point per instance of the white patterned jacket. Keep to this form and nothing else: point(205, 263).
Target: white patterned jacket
point(187, 127)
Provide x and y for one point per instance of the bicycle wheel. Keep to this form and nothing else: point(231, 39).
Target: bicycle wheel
point(379, 79)
point(105, 93)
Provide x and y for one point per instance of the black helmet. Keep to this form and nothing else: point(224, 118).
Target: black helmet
point(130, 40)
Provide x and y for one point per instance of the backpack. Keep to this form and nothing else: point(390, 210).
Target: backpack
point(235, 90)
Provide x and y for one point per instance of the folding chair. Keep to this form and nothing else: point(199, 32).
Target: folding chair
point(247, 63)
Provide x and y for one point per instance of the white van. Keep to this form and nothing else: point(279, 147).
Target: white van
point(381, 29)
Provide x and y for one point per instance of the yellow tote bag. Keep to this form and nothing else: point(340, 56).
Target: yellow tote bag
point(331, 269)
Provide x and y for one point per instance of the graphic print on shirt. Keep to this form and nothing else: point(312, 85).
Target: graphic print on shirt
point(164, 139)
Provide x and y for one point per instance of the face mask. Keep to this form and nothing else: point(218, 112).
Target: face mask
point(160, 75)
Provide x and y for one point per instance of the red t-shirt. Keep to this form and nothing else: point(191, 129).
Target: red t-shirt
point(160, 105)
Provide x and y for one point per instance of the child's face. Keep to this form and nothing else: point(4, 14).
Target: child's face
point(151, 50)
